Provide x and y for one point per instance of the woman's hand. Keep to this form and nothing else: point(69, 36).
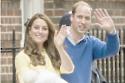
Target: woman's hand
point(60, 36)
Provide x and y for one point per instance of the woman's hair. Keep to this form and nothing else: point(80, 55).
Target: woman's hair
point(80, 3)
point(31, 49)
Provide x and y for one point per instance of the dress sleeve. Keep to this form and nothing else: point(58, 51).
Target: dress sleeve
point(21, 63)
point(23, 72)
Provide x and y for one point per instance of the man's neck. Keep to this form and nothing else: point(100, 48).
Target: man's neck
point(76, 36)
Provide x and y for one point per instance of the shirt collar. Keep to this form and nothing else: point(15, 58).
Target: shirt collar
point(75, 43)
point(72, 41)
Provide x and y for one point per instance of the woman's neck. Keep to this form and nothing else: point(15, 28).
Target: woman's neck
point(40, 47)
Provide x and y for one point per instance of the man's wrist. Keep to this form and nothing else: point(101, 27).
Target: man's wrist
point(113, 32)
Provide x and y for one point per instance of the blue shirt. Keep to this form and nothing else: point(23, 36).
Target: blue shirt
point(84, 52)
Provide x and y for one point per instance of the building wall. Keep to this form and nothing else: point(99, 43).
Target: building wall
point(11, 20)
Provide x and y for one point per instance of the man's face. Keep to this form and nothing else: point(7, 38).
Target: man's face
point(81, 20)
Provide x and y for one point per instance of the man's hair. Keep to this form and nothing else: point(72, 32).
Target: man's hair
point(80, 3)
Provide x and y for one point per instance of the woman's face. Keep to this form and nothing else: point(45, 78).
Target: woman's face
point(39, 31)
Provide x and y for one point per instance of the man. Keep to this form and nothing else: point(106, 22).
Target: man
point(84, 49)
point(97, 77)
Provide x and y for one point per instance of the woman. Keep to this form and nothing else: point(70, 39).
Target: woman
point(43, 58)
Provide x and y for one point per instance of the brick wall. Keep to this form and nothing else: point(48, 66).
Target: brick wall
point(11, 19)
point(56, 8)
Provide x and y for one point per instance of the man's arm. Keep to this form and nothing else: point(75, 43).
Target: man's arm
point(111, 46)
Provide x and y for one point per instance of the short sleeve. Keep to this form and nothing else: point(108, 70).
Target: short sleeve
point(22, 62)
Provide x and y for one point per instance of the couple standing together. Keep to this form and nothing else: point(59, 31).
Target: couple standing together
point(65, 55)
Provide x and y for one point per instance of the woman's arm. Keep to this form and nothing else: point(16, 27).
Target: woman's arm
point(67, 65)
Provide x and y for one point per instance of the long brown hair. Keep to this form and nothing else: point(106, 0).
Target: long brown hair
point(31, 49)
